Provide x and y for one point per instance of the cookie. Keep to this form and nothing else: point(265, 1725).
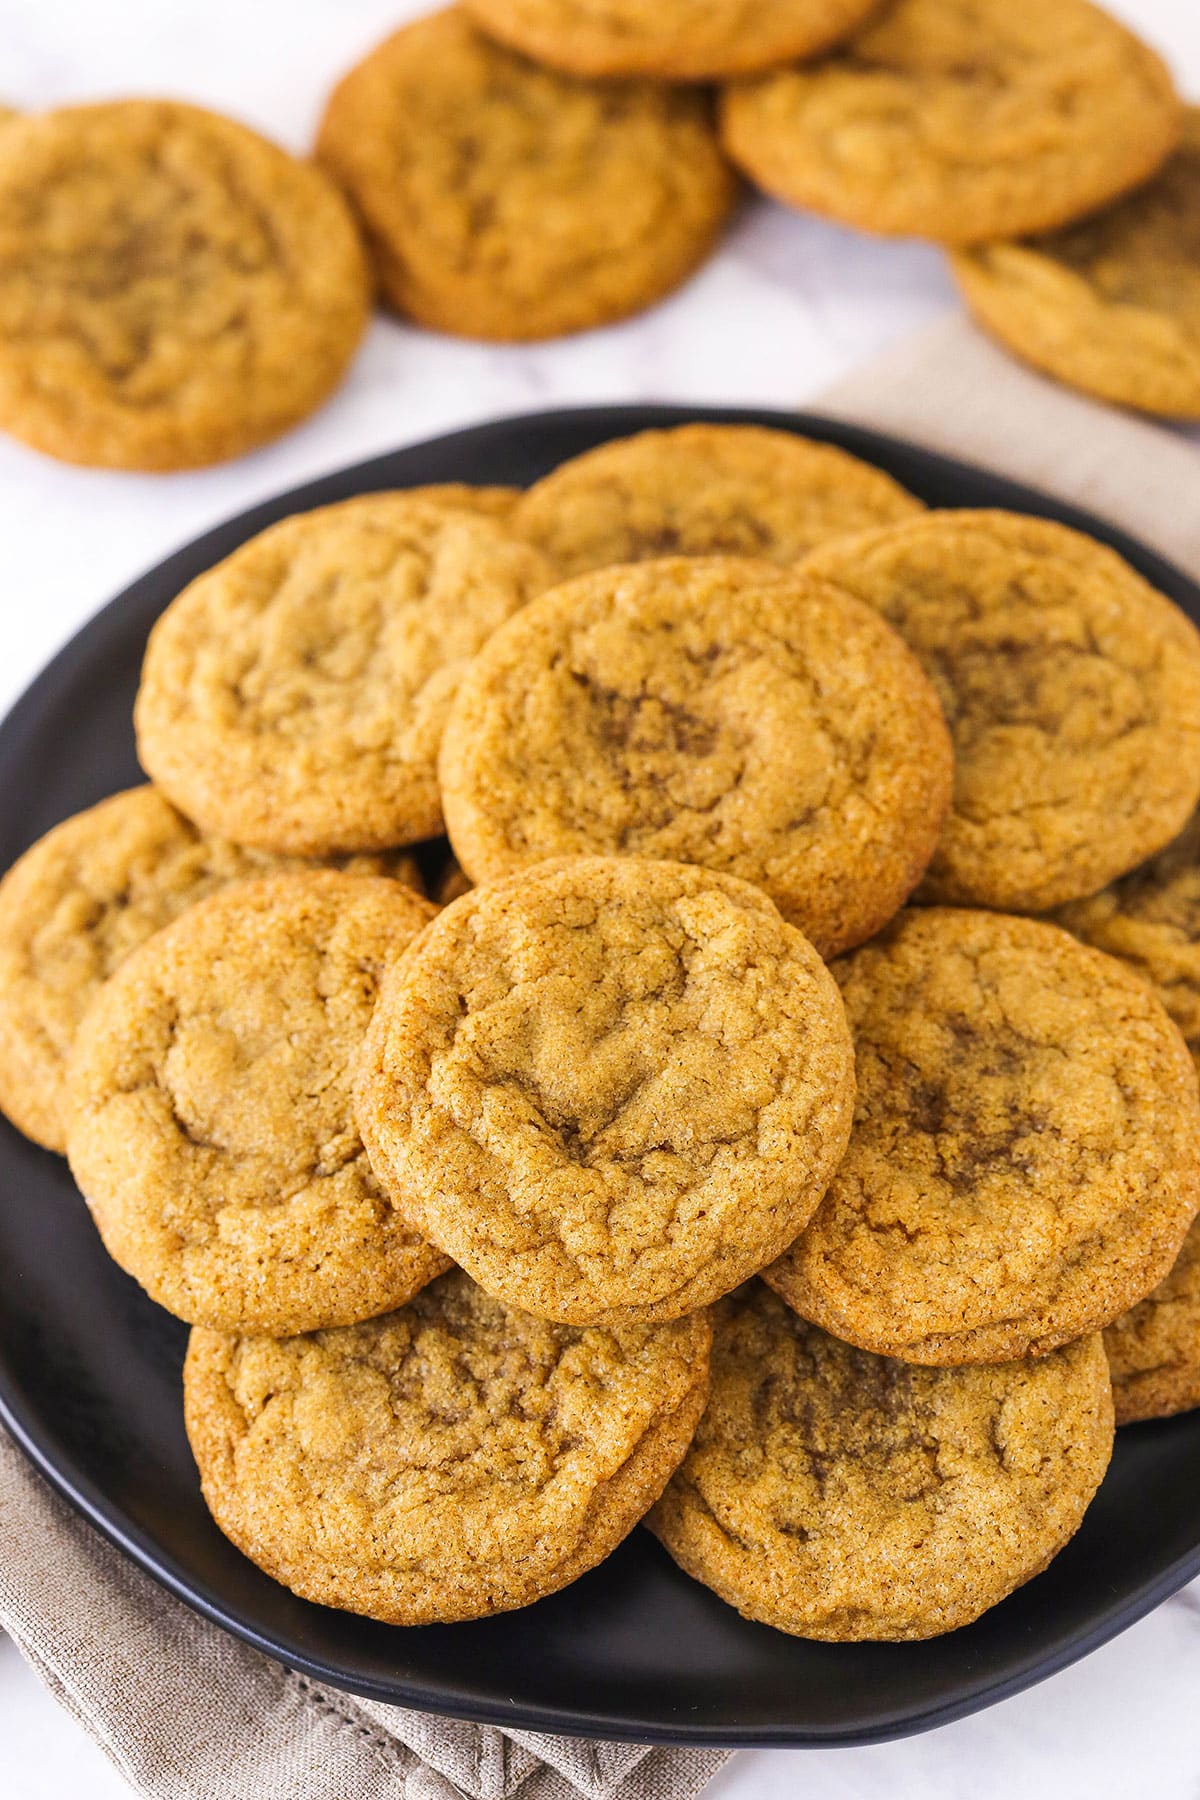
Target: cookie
point(669, 40)
point(1154, 1349)
point(1072, 691)
point(211, 1127)
point(75, 905)
point(842, 1496)
point(174, 289)
point(492, 502)
point(1150, 918)
point(708, 710)
point(1025, 1159)
point(567, 204)
point(293, 697)
point(1111, 305)
point(961, 120)
point(704, 490)
point(609, 1089)
point(452, 1459)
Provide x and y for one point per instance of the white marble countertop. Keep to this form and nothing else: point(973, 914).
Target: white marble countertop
point(789, 305)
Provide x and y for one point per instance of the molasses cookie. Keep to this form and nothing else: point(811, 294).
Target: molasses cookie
point(705, 490)
point(1111, 305)
point(73, 908)
point(455, 1458)
point(211, 1127)
point(961, 120)
point(709, 710)
point(669, 40)
point(1150, 918)
point(1072, 691)
point(1025, 1160)
point(173, 289)
point(294, 697)
point(567, 205)
point(1154, 1349)
point(610, 1089)
point(839, 1495)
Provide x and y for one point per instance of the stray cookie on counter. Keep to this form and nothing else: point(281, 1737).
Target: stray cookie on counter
point(174, 289)
point(568, 204)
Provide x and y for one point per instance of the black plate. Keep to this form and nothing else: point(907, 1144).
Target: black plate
point(89, 1368)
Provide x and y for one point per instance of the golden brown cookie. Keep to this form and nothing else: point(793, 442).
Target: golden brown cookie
point(1154, 1349)
point(565, 204)
point(294, 696)
point(704, 490)
point(1072, 691)
point(493, 502)
point(839, 1495)
point(669, 40)
point(709, 710)
point(173, 288)
point(1111, 305)
point(610, 1089)
point(1150, 918)
point(455, 1458)
point(1025, 1159)
point(961, 120)
point(211, 1127)
point(77, 903)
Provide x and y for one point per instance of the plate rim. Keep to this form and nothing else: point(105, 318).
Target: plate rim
point(72, 1482)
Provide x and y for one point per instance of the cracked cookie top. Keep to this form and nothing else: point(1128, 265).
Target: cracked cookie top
point(610, 1089)
point(211, 1125)
point(670, 40)
point(1025, 1159)
point(294, 696)
point(1071, 688)
point(77, 903)
point(704, 490)
point(502, 200)
point(173, 288)
point(455, 1458)
point(961, 120)
point(1154, 1349)
point(709, 710)
point(838, 1495)
point(1112, 304)
point(1150, 918)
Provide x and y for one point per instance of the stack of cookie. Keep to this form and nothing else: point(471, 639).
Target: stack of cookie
point(752, 771)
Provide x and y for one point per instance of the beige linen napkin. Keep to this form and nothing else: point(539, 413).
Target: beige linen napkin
point(188, 1713)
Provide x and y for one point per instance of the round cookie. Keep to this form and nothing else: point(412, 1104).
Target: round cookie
point(294, 696)
point(452, 1459)
point(1072, 691)
point(568, 204)
point(75, 905)
point(1025, 1159)
point(709, 710)
point(1154, 1349)
point(609, 1089)
point(211, 1127)
point(961, 120)
point(1150, 919)
point(838, 1495)
point(669, 40)
point(1111, 305)
point(174, 289)
point(704, 490)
